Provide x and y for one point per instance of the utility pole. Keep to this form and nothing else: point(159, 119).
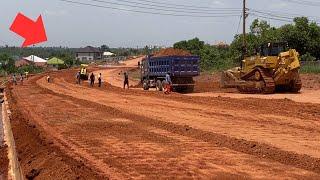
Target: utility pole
point(244, 43)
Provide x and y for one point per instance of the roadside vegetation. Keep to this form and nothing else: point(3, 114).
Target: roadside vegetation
point(8, 56)
point(310, 67)
point(302, 35)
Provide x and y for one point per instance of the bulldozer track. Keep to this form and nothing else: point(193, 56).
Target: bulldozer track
point(268, 80)
point(297, 85)
point(269, 83)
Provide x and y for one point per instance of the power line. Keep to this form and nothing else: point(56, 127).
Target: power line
point(270, 14)
point(176, 6)
point(271, 18)
point(160, 9)
point(288, 15)
point(304, 2)
point(148, 12)
point(276, 16)
point(182, 5)
point(174, 10)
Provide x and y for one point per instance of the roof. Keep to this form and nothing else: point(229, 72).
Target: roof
point(108, 53)
point(88, 49)
point(22, 62)
point(55, 61)
point(35, 59)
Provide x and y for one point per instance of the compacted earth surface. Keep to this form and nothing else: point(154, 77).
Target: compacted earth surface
point(66, 131)
point(3, 154)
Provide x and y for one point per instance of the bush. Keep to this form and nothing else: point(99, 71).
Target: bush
point(307, 57)
point(310, 67)
point(30, 69)
point(214, 58)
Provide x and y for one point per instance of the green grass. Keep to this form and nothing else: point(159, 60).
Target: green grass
point(310, 68)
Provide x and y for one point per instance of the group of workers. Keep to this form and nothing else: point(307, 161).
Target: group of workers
point(92, 78)
point(21, 77)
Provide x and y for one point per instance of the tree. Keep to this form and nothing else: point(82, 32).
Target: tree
point(215, 58)
point(105, 48)
point(7, 63)
point(259, 28)
point(192, 45)
point(68, 58)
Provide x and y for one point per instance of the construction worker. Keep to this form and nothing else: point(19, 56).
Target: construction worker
point(48, 78)
point(26, 73)
point(100, 79)
point(92, 78)
point(78, 77)
point(14, 79)
point(21, 78)
point(168, 84)
point(126, 80)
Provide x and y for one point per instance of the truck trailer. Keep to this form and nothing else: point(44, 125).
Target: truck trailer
point(182, 69)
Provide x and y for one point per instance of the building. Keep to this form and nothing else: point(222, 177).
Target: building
point(22, 62)
point(31, 60)
point(55, 63)
point(88, 53)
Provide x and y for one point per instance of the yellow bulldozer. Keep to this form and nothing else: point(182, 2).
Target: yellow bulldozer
point(273, 68)
point(84, 75)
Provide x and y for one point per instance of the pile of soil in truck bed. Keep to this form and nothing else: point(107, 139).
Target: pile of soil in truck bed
point(172, 52)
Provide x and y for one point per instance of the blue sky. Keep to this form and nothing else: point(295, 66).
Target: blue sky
point(77, 26)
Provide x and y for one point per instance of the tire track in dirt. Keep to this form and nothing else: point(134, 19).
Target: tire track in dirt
point(136, 145)
point(245, 124)
point(266, 152)
point(39, 157)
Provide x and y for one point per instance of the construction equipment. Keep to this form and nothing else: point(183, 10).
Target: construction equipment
point(274, 68)
point(84, 75)
point(182, 69)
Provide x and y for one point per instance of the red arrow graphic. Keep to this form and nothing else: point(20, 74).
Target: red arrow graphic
point(32, 32)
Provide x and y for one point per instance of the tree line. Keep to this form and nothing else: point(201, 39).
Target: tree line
point(8, 56)
point(302, 35)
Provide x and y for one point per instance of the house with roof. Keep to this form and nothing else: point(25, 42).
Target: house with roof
point(88, 53)
point(55, 63)
point(31, 60)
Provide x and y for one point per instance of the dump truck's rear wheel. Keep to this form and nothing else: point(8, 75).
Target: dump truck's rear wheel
point(145, 85)
point(190, 89)
point(159, 85)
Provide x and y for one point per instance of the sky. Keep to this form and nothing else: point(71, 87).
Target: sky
point(76, 25)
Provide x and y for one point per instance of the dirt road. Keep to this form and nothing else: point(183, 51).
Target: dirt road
point(136, 134)
point(114, 75)
point(309, 94)
point(305, 96)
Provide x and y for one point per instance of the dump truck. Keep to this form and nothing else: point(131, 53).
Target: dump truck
point(274, 68)
point(182, 69)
